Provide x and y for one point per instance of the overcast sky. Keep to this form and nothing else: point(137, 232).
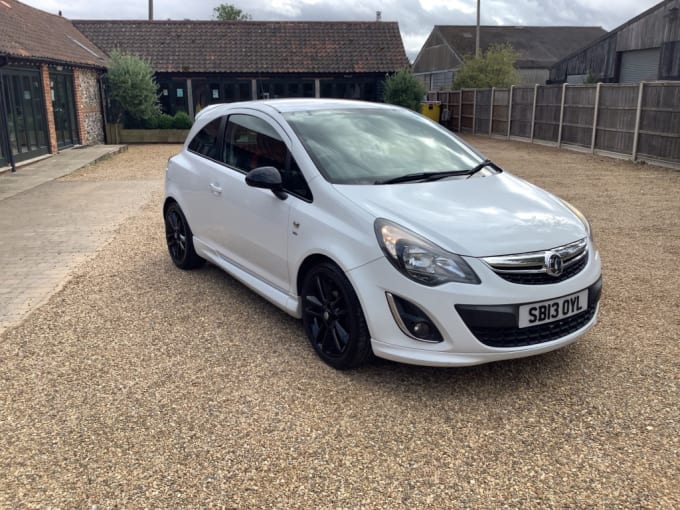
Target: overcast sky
point(416, 17)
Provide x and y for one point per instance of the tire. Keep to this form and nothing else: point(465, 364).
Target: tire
point(180, 239)
point(332, 318)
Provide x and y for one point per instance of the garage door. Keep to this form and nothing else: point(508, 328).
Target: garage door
point(639, 65)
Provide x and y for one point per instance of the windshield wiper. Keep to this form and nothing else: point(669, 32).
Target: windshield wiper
point(483, 164)
point(423, 176)
point(434, 176)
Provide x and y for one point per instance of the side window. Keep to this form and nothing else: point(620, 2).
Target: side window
point(251, 142)
point(207, 140)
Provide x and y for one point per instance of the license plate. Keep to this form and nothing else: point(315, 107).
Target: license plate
point(553, 310)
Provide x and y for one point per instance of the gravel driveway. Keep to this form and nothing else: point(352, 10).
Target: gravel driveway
point(139, 385)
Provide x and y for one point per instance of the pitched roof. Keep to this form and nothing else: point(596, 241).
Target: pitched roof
point(613, 33)
point(254, 46)
point(537, 46)
point(30, 33)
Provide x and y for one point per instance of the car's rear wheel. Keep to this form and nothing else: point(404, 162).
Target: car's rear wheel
point(332, 318)
point(180, 239)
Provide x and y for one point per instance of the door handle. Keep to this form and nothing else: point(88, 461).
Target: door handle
point(215, 189)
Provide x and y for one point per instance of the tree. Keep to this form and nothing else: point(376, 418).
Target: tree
point(228, 12)
point(132, 88)
point(494, 68)
point(404, 89)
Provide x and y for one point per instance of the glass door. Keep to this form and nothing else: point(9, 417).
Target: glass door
point(63, 104)
point(22, 91)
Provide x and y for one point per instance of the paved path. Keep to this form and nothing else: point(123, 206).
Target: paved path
point(48, 227)
point(70, 160)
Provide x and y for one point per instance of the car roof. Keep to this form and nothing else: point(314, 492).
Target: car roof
point(307, 104)
point(297, 105)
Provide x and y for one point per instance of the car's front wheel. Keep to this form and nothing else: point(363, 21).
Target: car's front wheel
point(332, 318)
point(180, 239)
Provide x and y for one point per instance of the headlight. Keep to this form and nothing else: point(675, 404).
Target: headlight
point(419, 259)
point(581, 217)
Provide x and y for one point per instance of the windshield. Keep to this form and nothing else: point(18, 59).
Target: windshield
point(364, 145)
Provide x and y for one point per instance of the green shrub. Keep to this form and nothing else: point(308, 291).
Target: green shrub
point(182, 121)
point(152, 122)
point(165, 121)
point(404, 89)
point(494, 68)
point(132, 88)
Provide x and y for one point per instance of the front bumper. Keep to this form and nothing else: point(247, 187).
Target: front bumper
point(478, 323)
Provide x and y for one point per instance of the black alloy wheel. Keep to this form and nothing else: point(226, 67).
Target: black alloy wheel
point(332, 318)
point(180, 239)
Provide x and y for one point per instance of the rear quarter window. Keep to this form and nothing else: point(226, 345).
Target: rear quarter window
point(207, 141)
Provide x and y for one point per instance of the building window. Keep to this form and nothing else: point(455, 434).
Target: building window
point(365, 89)
point(285, 87)
point(173, 97)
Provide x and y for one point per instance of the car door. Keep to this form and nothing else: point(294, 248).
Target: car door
point(251, 225)
point(202, 160)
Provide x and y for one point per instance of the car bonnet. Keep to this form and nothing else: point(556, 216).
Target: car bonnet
point(481, 216)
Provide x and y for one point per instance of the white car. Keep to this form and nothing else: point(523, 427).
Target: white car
point(382, 231)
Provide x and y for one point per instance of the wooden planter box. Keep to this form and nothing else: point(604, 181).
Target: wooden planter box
point(116, 134)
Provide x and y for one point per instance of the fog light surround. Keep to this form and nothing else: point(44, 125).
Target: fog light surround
point(412, 321)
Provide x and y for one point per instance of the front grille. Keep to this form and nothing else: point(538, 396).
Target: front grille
point(532, 268)
point(496, 326)
point(544, 278)
point(519, 337)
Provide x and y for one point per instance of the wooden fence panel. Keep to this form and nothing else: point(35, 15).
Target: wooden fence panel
point(660, 121)
point(467, 121)
point(618, 113)
point(522, 109)
point(449, 107)
point(501, 107)
point(548, 103)
point(579, 109)
point(616, 118)
point(483, 111)
point(455, 111)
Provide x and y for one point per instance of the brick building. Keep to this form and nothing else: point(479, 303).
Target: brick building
point(202, 62)
point(51, 68)
point(50, 91)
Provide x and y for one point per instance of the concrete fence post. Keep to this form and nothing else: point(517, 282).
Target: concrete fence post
point(510, 97)
point(533, 114)
point(474, 112)
point(493, 96)
point(638, 115)
point(595, 114)
point(559, 131)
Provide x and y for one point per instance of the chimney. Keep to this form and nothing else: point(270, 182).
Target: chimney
point(150, 10)
point(378, 15)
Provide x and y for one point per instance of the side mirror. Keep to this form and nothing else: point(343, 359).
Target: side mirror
point(267, 177)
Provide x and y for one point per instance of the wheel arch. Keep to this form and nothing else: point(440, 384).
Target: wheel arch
point(309, 262)
point(167, 202)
